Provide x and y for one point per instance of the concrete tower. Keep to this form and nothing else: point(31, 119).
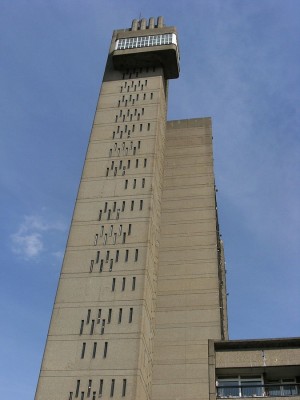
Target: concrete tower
point(142, 287)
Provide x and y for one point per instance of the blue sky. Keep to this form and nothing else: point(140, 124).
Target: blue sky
point(239, 65)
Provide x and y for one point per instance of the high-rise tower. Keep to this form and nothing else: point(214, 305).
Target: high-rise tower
point(142, 286)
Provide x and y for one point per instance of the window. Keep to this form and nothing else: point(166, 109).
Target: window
point(97, 257)
point(123, 284)
point(91, 265)
point(103, 327)
point(89, 388)
point(148, 126)
point(71, 396)
point(145, 162)
point(99, 316)
point(120, 315)
point(81, 327)
point(124, 237)
point(101, 266)
point(134, 183)
point(77, 388)
point(112, 388)
point(105, 349)
point(126, 183)
point(83, 350)
point(123, 205)
point(133, 283)
point(101, 387)
point(100, 215)
point(130, 315)
point(124, 387)
point(109, 316)
point(88, 316)
point(240, 386)
point(141, 204)
point(141, 127)
point(126, 255)
point(113, 285)
point(143, 182)
point(111, 264)
point(94, 349)
point(117, 255)
point(92, 327)
point(137, 163)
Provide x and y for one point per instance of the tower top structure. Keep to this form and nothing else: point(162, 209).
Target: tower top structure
point(148, 43)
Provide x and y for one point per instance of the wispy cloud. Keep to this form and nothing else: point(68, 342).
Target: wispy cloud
point(28, 240)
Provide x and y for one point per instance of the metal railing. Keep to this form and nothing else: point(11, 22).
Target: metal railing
point(266, 390)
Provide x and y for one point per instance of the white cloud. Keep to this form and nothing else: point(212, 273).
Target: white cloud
point(29, 239)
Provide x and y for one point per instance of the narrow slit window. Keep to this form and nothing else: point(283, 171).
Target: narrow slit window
point(110, 152)
point(94, 350)
point(77, 388)
point(100, 215)
point(120, 229)
point(134, 151)
point(133, 283)
point(124, 238)
point(115, 238)
point(130, 315)
point(109, 316)
point(101, 388)
point(112, 165)
point(83, 350)
point(97, 257)
point(99, 316)
point(117, 255)
point(103, 327)
point(111, 230)
point(94, 395)
point(105, 349)
point(113, 285)
point(107, 171)
point(126, 183)
point(145, 162)
point(148, 126)
point(111, 265)
point(126, 255)
point(101, 230)
point(82, 396)
point(89, 388)
point(143, 182)
point(143, 111)
point(133, 128)
point(71, 396)
point(141, 127)
point(129, 229)
point(108, 215)
point(120, 315)
point(112, 388)
point(101, 266)
point(91, 265)
point(105, 239)
point(144, 96)
point(141, 204)
point(115, 203)
point(107, 255)
point(92, 327)
point(123, 284)
point(134, 183)
point(132, 205)
point(88, 316)
point(146, 81)
point(81, 327)
point(123, 205)
point(136, 256)
point(137, 163)
point(128, 164)
point(139, 144)
point(124, 387)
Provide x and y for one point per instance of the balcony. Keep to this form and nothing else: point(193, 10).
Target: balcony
point(258, 390)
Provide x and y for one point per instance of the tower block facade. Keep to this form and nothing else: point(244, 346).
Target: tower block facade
point(142, 285)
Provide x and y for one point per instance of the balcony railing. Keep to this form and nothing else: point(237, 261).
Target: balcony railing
point(266, 390)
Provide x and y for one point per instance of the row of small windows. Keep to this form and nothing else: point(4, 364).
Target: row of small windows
point(135, 72)
point(126, 148)
point(129, 89)
point(145, 41)
point(131, 98)
point(94, 350)
point(118, 134)
point(90, 327)
point(110, 261)
point(117, 210)
point(127, 164)
point(111, 232)
point(93, 394)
